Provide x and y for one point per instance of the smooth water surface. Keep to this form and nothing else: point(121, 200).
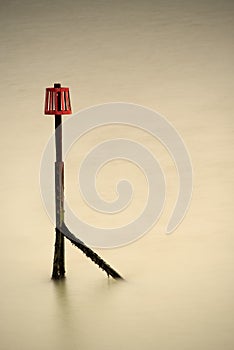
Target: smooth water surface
point(172, 56)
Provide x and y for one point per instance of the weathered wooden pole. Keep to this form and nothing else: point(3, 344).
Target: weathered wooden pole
point(57, 103)
point(59, 251)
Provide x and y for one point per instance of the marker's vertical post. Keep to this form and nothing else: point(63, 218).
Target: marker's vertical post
point(59, 249)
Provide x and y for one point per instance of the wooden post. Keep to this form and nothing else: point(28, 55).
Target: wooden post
point(59, 248)
point(57, 102)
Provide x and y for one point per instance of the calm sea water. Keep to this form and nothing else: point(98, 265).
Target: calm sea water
point(175, 57)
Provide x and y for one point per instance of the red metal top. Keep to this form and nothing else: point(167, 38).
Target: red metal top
point(57, 101)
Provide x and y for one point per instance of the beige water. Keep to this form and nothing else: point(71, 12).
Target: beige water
point(175, 57)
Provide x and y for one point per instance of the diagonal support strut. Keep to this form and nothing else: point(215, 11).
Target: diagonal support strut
point(90, 253)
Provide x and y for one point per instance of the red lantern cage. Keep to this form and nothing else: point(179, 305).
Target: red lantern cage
point(57, 101)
